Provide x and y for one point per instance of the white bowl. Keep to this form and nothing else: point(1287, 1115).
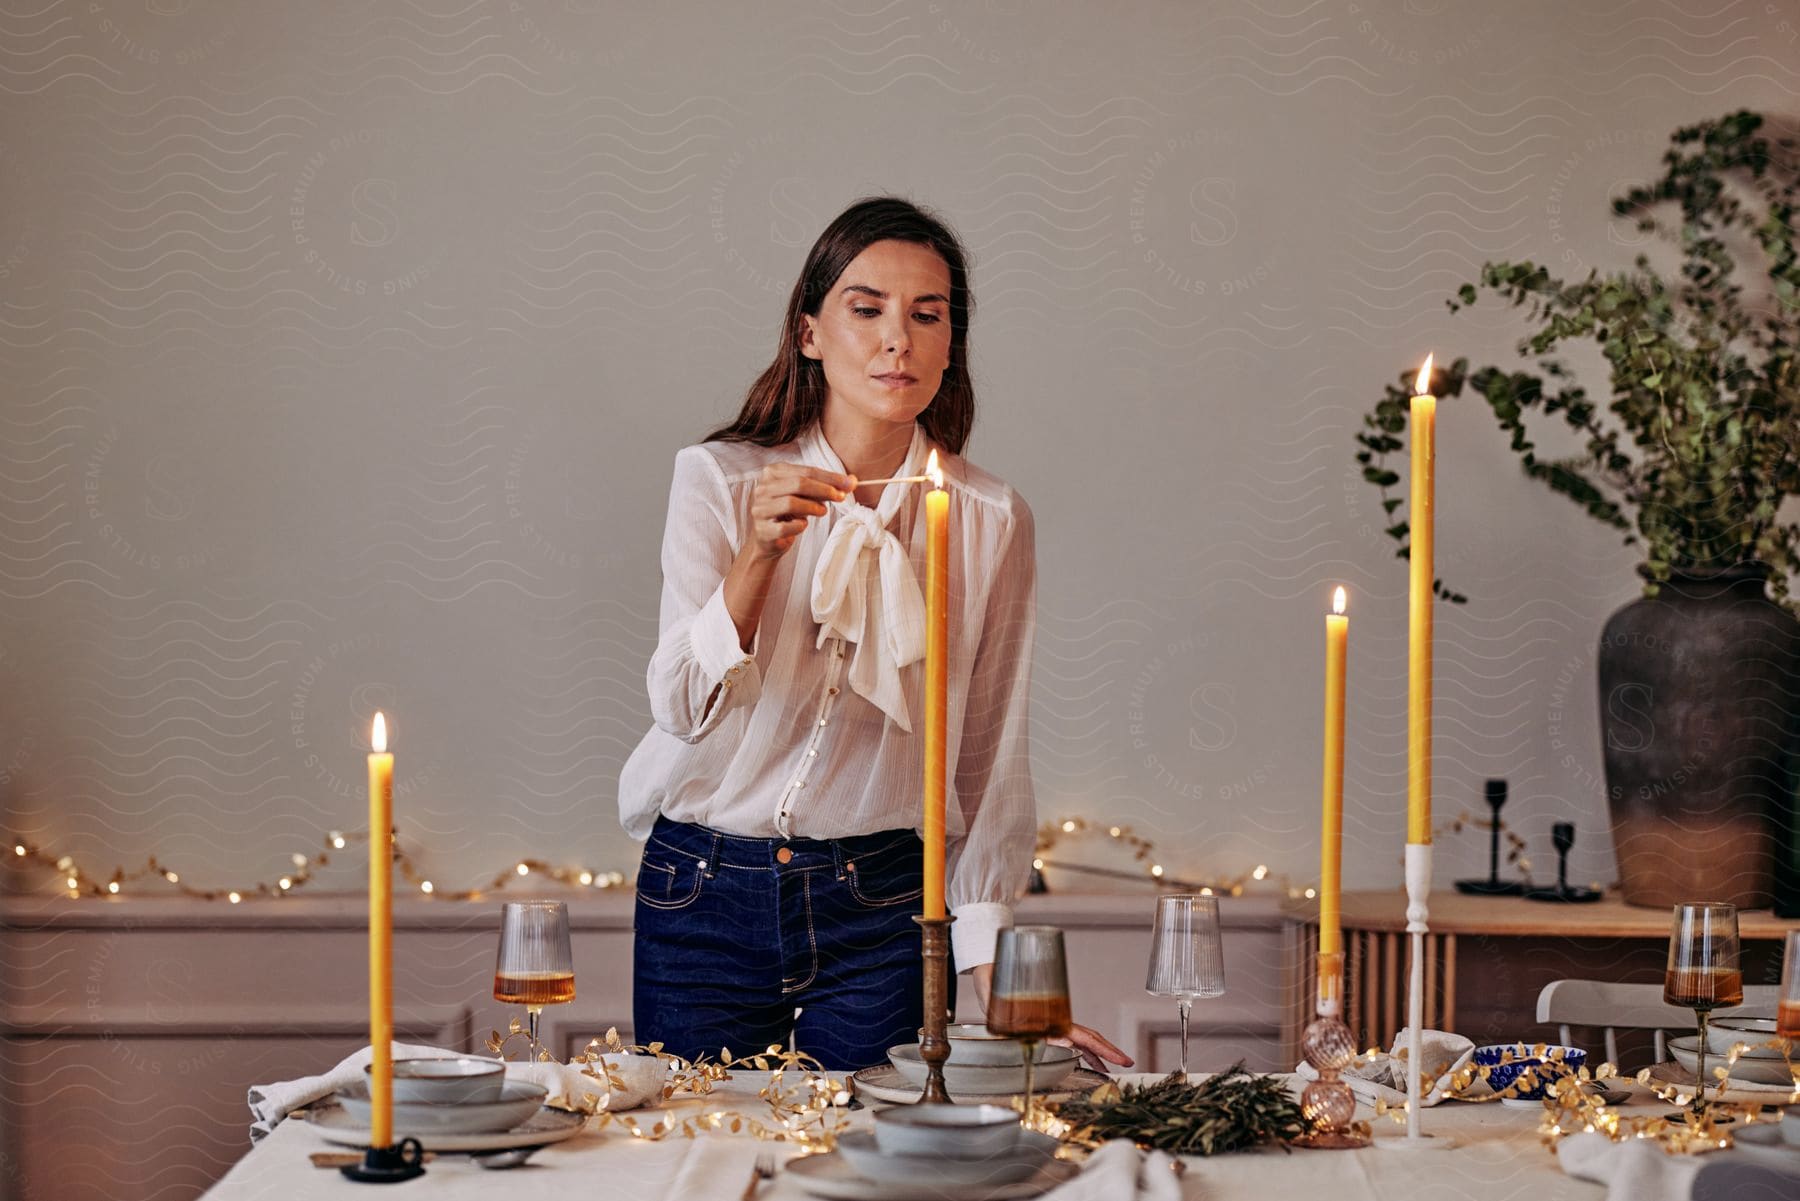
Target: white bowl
point(1723, 1033)
point(459, 1081)
point(957, 1131)
point(1025, 1157)
point(973, 1044)
point(983, 1080)
point(519, 1099)
point(1750, 1069)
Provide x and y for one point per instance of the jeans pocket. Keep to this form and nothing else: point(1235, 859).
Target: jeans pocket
point(888, 877)
point(668, 883)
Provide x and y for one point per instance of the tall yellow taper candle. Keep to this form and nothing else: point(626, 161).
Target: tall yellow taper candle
point(1418, 662)
point(1331, 837)
point(937, 661)
point(381, 936)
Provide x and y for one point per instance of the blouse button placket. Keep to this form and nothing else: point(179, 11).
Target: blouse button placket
point(826, 701)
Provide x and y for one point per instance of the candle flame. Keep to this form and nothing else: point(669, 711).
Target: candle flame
point(1422, 386)
point(934, 471)
point(378, 735)
point(1337, 600)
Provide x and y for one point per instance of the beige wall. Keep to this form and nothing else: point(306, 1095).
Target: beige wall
point(347, 348)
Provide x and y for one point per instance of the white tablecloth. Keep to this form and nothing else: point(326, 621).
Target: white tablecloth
point(1498, 1156)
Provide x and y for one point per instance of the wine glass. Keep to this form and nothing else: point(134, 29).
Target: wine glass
point(535, 966)
point(1187, 958)
point(1029, 999)
point(1787, 1013)
point(1703, 973)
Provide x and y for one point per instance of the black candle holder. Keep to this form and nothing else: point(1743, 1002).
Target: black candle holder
point(388, 1165)
point(1493, 886)
point(1563, 834)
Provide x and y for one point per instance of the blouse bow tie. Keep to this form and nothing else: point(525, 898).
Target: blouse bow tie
point(864, 592)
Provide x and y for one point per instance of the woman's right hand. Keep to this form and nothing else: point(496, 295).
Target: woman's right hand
point(786, 497)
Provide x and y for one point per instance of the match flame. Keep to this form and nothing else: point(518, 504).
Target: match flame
point(1422, 386)
point(934, 471)
point(1337, 600)
point(378, 735)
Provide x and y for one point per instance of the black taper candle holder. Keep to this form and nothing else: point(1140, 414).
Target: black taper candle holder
point(1493, 886)
point(1562, 834)
point(388, 1165)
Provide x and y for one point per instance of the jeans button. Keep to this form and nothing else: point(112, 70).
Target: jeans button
point(783, 855)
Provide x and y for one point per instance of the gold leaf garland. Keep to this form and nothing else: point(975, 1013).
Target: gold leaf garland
point(807, 1107)
point(1573, 1106)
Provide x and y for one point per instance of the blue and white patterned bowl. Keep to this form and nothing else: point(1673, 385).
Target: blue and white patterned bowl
point(1502, 1075)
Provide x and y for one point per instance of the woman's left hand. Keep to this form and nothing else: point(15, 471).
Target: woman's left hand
point(1096, 1050)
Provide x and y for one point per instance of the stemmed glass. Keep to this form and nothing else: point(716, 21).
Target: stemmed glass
point(1029, 999)
point(535, 966)
point(1787, 1013)
point(1703, 973)
point(1187, 956)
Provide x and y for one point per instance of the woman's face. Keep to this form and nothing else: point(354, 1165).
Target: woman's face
point(883, 332)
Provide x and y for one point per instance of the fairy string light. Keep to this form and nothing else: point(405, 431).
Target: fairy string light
point(1144, 851)
point(77, 881)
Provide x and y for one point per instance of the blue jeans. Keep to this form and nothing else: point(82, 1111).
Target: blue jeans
point(733, 934)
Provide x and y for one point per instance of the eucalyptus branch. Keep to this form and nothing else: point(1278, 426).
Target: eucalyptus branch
point(1699, 445)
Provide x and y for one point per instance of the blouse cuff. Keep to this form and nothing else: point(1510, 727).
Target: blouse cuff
point(714, 639)
point(972, 933)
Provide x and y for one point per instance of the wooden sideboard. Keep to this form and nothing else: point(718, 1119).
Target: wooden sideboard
point(1487, 958)
point(131, 1028)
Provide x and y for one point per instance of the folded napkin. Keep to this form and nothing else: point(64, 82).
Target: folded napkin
point(565, 1084)
point(1383, 1077)
point(1634, 1170)
point(1118, 1171)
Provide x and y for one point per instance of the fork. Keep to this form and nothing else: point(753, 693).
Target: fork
point(764, 1170)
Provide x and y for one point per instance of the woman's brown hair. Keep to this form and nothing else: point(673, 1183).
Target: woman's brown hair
point(790, 393)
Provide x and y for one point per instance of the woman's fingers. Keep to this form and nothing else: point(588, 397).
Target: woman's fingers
point(1094, 1048)
point(787, 496)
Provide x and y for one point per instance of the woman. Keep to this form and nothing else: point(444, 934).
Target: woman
point(780, 789)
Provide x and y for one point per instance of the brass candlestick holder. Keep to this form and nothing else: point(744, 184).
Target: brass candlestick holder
point(1327, 1044)
point(934, 1047)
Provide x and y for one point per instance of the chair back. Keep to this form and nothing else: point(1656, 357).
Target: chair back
point(1613, 1007)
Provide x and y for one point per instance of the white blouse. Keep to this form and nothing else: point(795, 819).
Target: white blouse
point(788, 748)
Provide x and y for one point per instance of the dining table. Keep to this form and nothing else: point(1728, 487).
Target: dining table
point(1494, 1152)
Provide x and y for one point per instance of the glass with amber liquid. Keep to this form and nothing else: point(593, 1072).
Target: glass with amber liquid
point(1704, 973)
point(1029, 999)
point(1787, 1012)
point(535, 966)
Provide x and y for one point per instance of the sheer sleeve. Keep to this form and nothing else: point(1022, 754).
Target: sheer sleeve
point(991, 864)
point(699, 671)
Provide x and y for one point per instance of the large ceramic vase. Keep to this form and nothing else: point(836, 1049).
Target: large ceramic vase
point(1698, 703)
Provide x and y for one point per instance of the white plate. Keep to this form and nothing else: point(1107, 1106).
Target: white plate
point(547, 1125)
point(1764, 1134)
point(830, 1175)
point(995, 1080)
point(883, 1082)
point(1747, 1070)
point(943, 1171)
point(519, 1099)
point(1736, 1090)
